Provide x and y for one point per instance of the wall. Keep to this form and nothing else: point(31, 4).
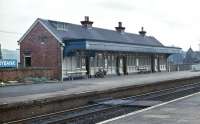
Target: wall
point(44, 49)
point(179, 67)
point(19, 74)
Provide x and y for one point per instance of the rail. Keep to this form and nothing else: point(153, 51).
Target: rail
point(99, 112)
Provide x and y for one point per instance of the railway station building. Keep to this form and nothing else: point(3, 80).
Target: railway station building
point(83, 50)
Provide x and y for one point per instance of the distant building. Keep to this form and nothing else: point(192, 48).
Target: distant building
point(192, 57)
point(177, 58)
point(0, 53)
point(72, 49)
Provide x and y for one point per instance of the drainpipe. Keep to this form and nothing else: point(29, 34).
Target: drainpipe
point(61, 57)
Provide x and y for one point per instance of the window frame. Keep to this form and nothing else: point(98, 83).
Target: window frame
point(25, 64)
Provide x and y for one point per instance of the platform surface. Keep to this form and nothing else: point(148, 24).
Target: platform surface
point(12, 94)
point(185, 110)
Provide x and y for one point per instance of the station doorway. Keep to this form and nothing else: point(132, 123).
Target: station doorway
point(121, 65)
point(27, 61)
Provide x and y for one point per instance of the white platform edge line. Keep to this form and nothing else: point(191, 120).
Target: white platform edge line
point(149, 108)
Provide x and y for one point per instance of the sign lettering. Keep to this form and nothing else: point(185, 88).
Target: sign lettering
point(8, 63)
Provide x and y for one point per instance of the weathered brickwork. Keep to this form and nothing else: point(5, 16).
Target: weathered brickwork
point(21, 74)
point(43, 48)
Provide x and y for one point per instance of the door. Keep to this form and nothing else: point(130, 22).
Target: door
point(117, 65)
point(27, 61)
point(87, 65)
point(152, 64)
point(158, 63)
point(121, 65)
point(125, 65)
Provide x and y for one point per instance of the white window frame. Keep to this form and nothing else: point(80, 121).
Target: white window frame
point(25, 60)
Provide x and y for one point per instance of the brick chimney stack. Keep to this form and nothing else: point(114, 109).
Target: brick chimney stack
point(142, 32)
point(120, 28)
point(87, 23)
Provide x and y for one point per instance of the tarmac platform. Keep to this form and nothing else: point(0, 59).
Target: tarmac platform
point(185, 110)
point(13, 94)
point(36, 99)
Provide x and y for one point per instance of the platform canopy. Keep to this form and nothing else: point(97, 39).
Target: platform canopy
point(74, 45)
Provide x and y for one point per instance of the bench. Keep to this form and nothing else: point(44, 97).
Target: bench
point(76, 74)
point(143, 69)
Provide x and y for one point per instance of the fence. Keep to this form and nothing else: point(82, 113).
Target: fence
point(20, 74)
point(179, 67)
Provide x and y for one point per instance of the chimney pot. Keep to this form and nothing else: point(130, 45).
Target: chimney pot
point(87, 23)
point(120, 24)
point(120, 28)
point(142, 32)
point(86, 18)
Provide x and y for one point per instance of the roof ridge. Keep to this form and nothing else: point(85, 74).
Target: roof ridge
point(91, 28)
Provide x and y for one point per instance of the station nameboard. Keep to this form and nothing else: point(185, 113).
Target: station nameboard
point(8, 63)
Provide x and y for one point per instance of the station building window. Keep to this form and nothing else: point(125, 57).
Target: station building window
point(83, 63)
point(78, 62)
point(92, 62)
point(113, 60)
point(143, 60)
point(27, 61)
point(100, 62)
point(105, 63)
point(133, 63)
point(129, 60)
point(109, 61)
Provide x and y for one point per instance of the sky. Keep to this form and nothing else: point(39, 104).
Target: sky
point(173, 22)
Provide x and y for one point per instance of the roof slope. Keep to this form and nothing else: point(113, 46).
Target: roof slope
point(78, 32)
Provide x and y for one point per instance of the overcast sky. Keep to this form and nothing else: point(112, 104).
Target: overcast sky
point(173, 22)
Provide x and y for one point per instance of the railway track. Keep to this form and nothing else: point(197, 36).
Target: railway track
point(97, 112)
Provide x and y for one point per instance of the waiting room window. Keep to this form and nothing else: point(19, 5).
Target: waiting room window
point(78, 62)
point(92, 61)
point(83, 63)
point(109, 61)
point(27, 61)
point(100, 62)
point(113, 60)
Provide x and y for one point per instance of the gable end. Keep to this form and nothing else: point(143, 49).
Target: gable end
point(33, 25)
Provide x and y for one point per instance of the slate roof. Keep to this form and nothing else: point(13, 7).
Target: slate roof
point(75, 31)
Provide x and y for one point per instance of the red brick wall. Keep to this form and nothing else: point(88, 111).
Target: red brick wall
point(44, 49)
point(20, 74)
